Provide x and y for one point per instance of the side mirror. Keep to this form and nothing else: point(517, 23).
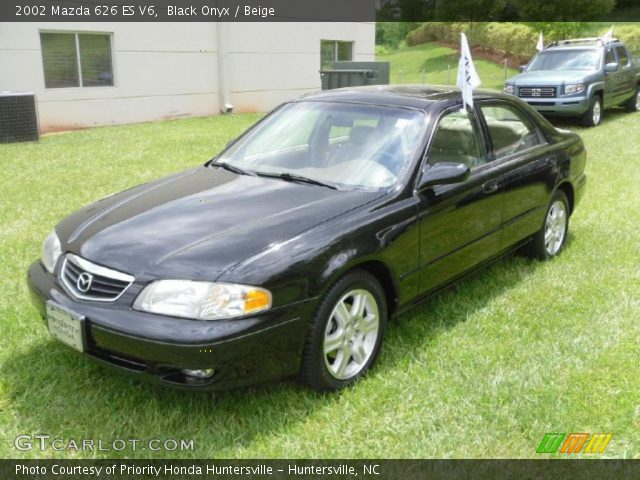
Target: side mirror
point(611, 67)
point(522, 68)
point(442, 174)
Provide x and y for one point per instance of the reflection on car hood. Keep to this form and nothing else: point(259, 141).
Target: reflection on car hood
point(541, 78)
point(199, 223)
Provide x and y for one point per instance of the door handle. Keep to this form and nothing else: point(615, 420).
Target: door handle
point(490, 187)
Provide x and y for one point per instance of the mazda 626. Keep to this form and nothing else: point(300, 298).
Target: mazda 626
point(287, 253)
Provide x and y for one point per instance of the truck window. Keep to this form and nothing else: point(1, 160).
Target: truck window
point(622, 55)
point(609, 57)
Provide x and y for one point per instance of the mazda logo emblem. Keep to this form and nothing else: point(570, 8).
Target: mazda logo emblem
point(84, 282)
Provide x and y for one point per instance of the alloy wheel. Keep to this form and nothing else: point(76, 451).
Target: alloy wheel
point(555, 227)
point(351, 334)
point(597, 112)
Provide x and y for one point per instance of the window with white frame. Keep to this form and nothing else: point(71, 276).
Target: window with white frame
point(76, 59)
point(335, 51)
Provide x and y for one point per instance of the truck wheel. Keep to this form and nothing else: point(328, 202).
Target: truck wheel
point(633, 104)
point(593, 116)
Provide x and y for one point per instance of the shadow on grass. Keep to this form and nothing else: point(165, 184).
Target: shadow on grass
point(609, 115)
point(439, 64)
point(56, 391)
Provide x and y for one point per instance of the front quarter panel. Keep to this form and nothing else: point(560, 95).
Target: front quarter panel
point(384, 232)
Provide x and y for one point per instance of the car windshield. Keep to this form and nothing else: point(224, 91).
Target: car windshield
point(338, 144)
point(566, 60)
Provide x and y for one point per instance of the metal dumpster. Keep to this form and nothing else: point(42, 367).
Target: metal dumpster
point(354, 74)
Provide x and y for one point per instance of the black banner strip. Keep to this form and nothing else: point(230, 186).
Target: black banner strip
point(316, 10)
point(316, 469)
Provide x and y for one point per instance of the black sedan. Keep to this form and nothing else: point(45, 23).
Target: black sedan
point(287, 253)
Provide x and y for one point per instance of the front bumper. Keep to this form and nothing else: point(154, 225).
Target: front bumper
point(560, 106)
point(157, 348)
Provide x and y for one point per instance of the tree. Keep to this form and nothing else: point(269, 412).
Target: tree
point(469, 10)
point(558, 11)
point(390, 34)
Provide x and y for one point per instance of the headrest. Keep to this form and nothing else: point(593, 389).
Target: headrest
point(361, 134)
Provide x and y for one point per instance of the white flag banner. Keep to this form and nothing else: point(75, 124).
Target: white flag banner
point(468, 78)
point(607, 37)
point(540, 45)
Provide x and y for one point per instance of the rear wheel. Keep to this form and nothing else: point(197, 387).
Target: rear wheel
point(633, 104)
point(593, 116)
point(346, 333)
point(548, 242)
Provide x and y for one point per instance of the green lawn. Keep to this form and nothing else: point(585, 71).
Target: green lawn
point(482, 370)
point(434, 64)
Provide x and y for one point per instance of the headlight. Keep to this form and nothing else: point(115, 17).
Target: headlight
point(571, 89)
point(202, 300)
point(51, 251)
point(510, 89)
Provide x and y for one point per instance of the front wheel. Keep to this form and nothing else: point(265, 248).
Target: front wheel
point(633, 104)
point(550, 239)
point(593, 116)
point(346, 333)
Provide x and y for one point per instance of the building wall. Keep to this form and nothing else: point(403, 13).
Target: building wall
point(169, 70)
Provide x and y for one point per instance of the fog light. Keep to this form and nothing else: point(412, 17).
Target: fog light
point(205, 373)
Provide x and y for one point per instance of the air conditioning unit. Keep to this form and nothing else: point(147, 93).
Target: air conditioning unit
point(18, 117)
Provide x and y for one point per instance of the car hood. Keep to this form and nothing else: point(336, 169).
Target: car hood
point(542, 78)
point(199, 223)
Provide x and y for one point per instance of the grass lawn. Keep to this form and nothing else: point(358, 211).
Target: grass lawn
point(440, 66)
point(482, 370)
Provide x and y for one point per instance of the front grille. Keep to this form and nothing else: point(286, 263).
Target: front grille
point(541, 104)
point(537, 92)
point(88, 281)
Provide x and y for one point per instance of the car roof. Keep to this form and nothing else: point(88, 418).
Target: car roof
point(582, 44)
point(407, 96)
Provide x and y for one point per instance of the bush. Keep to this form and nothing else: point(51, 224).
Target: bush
point(438, 31)
point(391, 34)
point(511, 39)
point(381, 50)
point(514, 40)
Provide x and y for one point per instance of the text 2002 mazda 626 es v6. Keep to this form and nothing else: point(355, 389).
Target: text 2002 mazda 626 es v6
point(287, 253)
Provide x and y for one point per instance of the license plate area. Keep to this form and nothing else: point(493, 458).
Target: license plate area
point(66, 326)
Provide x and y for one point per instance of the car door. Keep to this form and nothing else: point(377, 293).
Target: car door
point(529, 166)
point(627, 77)
point(612, 79)
point(459, 224)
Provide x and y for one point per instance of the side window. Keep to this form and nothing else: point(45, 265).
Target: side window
point(622, 55)
point(455, 140)
point(511, 132)
point(609, 57)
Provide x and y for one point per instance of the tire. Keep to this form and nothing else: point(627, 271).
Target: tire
point(550, 239)
point(633, 104)
point(325, 368)
point(593, 116)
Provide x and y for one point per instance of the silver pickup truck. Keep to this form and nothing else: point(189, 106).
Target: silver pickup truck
point(579, 78)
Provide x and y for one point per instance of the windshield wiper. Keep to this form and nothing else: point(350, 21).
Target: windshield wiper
point(292, 177)
point(232, 168)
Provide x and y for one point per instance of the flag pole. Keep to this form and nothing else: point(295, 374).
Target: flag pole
point(468, 78)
